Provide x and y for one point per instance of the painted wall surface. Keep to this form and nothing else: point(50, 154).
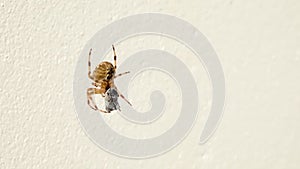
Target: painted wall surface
point(258, 46)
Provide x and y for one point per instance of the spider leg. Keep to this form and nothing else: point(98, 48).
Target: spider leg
point(122, 96)
point(90, 92)
point(89, 66)
point(115, 57)
point(101, 91)
point(121, 74)
point(96, 84)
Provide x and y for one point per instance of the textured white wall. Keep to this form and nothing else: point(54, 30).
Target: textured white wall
point(257, 43)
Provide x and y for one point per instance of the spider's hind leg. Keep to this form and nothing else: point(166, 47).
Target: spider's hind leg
point(115, 57)
point(121, 74)
point(89, 66)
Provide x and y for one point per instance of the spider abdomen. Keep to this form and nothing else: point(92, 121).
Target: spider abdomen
point(104, 71)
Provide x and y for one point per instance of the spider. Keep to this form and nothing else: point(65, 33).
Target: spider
point(103, 79)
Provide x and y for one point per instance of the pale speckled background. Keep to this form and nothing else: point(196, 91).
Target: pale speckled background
point(258, 46)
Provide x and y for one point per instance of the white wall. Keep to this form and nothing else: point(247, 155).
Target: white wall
point(258, 46)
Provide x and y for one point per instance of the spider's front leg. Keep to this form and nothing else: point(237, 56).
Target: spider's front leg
point(122, 96)
point(90, 92)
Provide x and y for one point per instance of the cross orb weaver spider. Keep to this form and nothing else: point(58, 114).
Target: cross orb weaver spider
point(103, 79)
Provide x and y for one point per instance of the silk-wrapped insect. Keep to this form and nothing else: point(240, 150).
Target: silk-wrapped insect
point(111, 100)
